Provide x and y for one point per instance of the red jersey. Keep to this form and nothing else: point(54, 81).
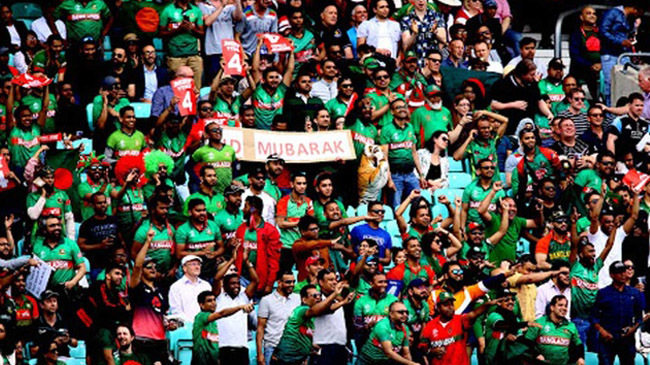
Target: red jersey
point(452, 336)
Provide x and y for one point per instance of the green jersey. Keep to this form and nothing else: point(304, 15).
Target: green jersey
point(553, 340)
point(205, 335)
point(57, 204)
point(184, 43)
point(35, 104)
point(589, 178)
point(124, 144)
point(506, 249)
point(372, 351)
point(553, 90)
point(98, 105)
point(337, 108)
point(222, 160)
point(378, 101)
point(292, 211)
point(400, 142)
point(63, 258)
point(86, 188)
point(474, 194)
point(478, 150)
point(368, 309)
point(162, 246)
point(3, 123)
point(584, 287)
point(82, 21)
point(174, 147)
point(319, 210)
point(134, 358)
point(493, 338)
point(415, 81)
point(304, 48)
point(213, 204)
point(23, 144)
point(302, 284)
point(103, 339)
point(42, 63)
point(267, 106)
point(228, 222)
point(426, 121)
point(229, 110)
point(363, 135)
point(191, 238)
point(129, 209)
point(584, 223)
point(417, 317)
point(296, 341)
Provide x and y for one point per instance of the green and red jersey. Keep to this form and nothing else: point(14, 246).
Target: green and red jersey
point(83, 20)
point(292, 210)
point(553, 340)
point(221, 159)
point(63, 258)
point(452, 336)
point(297, 338)
point(205, 335)
point(372, 351)
point(162, 246)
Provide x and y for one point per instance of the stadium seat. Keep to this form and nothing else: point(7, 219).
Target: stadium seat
point(182, 333)
point(107, 43)
point(451, 194)
point(28, 22)
point(184, 351)
point(591, 358)
point(26, 10)
point(89, 116)
point(142, 110)
point(390, 227)
point(439, 209)
point(426, 194)
point(455, 166)
point(19, 246)
point(204, 92)
point(459, 180)
point(362, 210)
point(351, 212)
point(79, 352)
point(389, 215)
point(158, 44)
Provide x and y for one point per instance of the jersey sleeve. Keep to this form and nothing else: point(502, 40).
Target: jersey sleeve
point(181, 235)
point(542, 244)
point(77, 256)
point(141, 233)
point(281, 208)
point(264, 309)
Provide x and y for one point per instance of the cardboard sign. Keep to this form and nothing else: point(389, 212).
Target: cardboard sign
point(233, 58)
point(38, 278)
point(276, 43)
point(183, 89)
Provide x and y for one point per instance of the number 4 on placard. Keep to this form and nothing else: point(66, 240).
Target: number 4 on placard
point(187, 100)
point(235, 62)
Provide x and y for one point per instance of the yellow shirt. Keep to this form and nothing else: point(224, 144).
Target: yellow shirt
point(526, 295)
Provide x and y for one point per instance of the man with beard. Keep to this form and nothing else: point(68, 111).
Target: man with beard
point(584, 49)
point(97, 181)
point(118, 68)
point(26, 307)
point(106, 111)
point(262, 241)
point(558, 285)
point(629, 128)
point(452, 282)
point(127, 141)
point(556, 245)
point(363, 131)
point(85, 70)
point(517, 95)
point(303, 39)
point(592, 179)
point(98, 233)
point(431, 117)
point(401, 275)
point(482, 141)
point(231, 217)
point(444, 338)
point(533, 163)
point(389, 339)
point(149, 305)
point(50, 201)
point(345, 99)
point(199, 236)
point(418, 312)
point(214, 202)
point(290, 209)
point(149, 77)
point(217, 154)
point(382, 98)
point(371, 308)
point(24, 137)
point(256, 183)
point(274, 311)
point(302, 105)
point(226, 104)
point(110, 307)
point(552, 84)
point(36, 101)
point(476, 192)
point(162, 244)
point(335, 225)
point(477, 268)
point(125, 354)
point(275, 171)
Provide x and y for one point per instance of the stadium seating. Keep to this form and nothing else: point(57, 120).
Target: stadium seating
point(184, 351)
point(204, 92)
point(459, 180)
point(142, 110)
point(26, 11)
point(182, 333)
point(79, 352)
point(451, 194)
point(455, 166)
point(89, 115)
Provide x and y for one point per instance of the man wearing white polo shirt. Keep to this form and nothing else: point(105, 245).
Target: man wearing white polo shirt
point(183, 293)
point(273, 313)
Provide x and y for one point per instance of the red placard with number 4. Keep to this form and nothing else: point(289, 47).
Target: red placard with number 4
point(184, 90)
point(233, 58)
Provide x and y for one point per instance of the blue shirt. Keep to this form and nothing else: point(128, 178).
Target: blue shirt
point(615, 310)
point(614, 29)
point(161, 99)
point(360, 233)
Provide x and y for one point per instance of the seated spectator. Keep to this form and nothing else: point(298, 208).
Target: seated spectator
point(456, 58)
point(184, 292)
point(527, 49)
point(576, 111)
point(148, 76)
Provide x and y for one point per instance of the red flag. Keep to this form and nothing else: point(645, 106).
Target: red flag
point(5, 183)
point(184, 90)
point(276, 43)
point(636, 180)
point(28, 81)
point(233, 56)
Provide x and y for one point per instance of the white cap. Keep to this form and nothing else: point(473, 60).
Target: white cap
point(189, 258)
point(452, 3)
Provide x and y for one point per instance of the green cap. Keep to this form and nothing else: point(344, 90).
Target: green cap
point(371, 63)
point(445, 296)
point(410, 54)
point(432, 90)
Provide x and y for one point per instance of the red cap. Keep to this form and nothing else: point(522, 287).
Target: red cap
point(314, 259)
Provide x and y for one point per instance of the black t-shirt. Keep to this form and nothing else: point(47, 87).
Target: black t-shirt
point(334, 35)
point(94, 231)
point(629, 133)
point(508, 90)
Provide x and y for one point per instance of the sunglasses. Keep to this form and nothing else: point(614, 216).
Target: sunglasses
point(549, 188)
point(561, 220)
point(289, 282)
point(509, 299)
point(378, 211)
point(205, 109)
point(382, 77)
point(214, 130)
point(607, 163)
point(579, 99)
point(346, 86)
point(315, 295)
point(96, 168)
point(487, 167)
point(445, 140)
point(457, 271)
point(403, 311)
point(629, 267)
point(150, 267)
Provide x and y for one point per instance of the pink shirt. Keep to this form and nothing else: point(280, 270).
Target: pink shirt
point(503, 10)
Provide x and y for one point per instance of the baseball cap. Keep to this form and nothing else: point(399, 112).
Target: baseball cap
point(452, 3)
point(49, 294)
point(489, 3)
point(87, 39)
point(109, 81)
point(147, 260)
point(475, 251)
point(257, 171)
point(274, 157)
point(233, 189)
point(4, 51)
point(557, 215)
point(371, 63)
point(556, 63)
point(410, 54)
point(474, 226)
point(416, 283)
point(227, 78)
point(314, 259)
point(131, 37)
point(505, 292)
point(432, 90)
point(189, 258)
point(445, 296)
point(617, 267)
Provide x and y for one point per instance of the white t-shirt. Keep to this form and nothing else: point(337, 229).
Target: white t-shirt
point(233, 330)
point(42, 30)
point(616, 254)
point(384, 40)
point(330, 329)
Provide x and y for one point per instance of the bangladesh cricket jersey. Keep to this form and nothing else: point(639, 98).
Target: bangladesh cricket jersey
point(474, 194)
point(230, 111)
point(363, 135)
point(62, 258)
point(372, 351)
point(228, 222)
point(554, 91)
point(129, 209)
point(584, 287)
point(337, 107)
point(88, 187)
point(304, 48)
point(42, 63)
point(367, 308)
point(292, 211)
point(191, 238)
point(296, 341)
point(213, 204)
point(221, 159)
point(57, 204)
point(205, 335)
point(124, 144)
point(23, 144)
point(267, 106)
point(426, 121)
point(400, 141)
point(417, 316)
point(35, 104)
point(553, 340)
point(82, 21)
point(184, 43)
point(478, 150)
point(451, 335)
point(554, 246)
point(162, 246)
point(506, 249)
point(378, 101)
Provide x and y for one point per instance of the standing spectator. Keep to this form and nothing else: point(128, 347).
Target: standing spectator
point(181, 25)
point(423, 29)
point(163, 101)
point(214, 201)
point(184, 292)
point(358, 16)
point(380, 31)
point(330, 33)
point(372, 230)
point(431, 117)
point(256, 184)
point(303, 39)
point(205, 333)
point(618, 34)
point(218, 154)
point(127, 141)
point(90, 19)
point(527, 49)
point(325, 88)
point(219, 18)
point(584, 50)
point(371, 308)
point(576, 111)
point(51, 60)
point(482, 141)
point(231, 217)
point(41, 25)
point(617, 314)
point(382, 97)
point(259, 18)
point(630, 128)
point(308, 245)
point(551, 85)
point(556, 245)
point(273, 313)
point(456, 57)
point(163, 244)
point(400, 276)
point(289, 210)
point(558, 285)
point(98, 233)
point(301, 104)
